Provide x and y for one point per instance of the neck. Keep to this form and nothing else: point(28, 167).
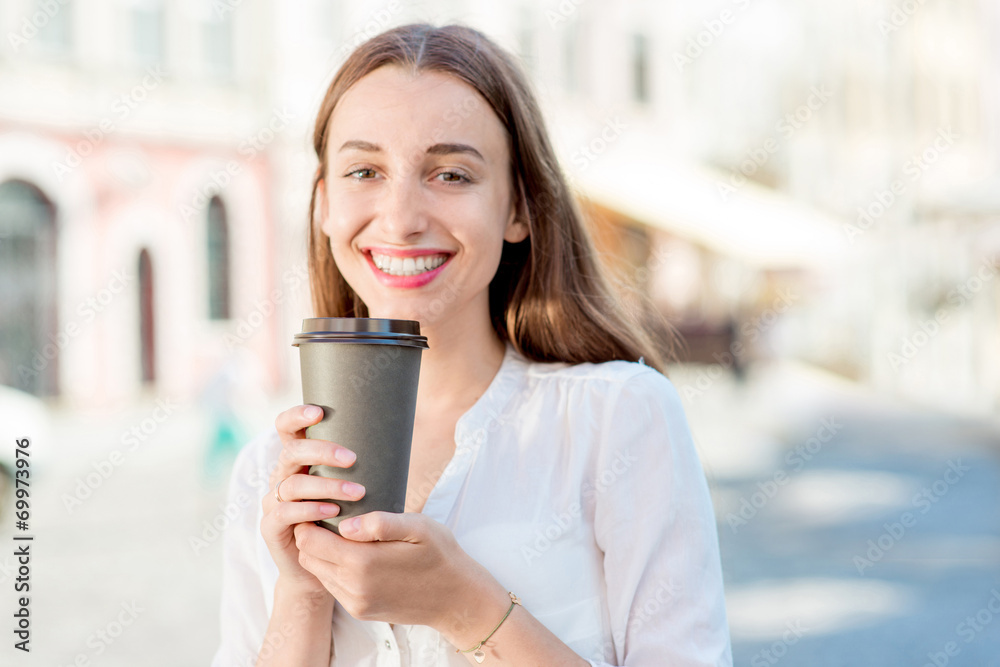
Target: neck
point(458, 366)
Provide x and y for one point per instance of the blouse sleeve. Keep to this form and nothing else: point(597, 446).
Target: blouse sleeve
point(244, 614)
point(654, 523)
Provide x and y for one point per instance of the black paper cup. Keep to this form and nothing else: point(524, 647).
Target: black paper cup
point(363, 373)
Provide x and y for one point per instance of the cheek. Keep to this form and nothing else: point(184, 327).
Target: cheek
point(342, 220)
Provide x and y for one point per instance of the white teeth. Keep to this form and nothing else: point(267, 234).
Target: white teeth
point(408, 266)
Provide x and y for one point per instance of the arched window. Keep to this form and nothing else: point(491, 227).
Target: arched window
point(147, 313)
point(218, 260)
point(640, 68)
point(29, 342)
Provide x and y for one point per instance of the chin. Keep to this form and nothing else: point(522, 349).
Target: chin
point(397, 312)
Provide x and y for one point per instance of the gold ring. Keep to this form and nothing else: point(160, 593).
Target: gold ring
point(277, 496)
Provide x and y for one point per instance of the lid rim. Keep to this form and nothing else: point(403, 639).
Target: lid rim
point(360, 330)
point(365, 325)
point(415, 343)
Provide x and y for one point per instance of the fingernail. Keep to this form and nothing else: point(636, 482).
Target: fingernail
point(328, 509)
point(350, 526)
point(354, 489)
point(345, 456)
point(312, 412)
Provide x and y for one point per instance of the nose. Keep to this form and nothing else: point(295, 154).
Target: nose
point(402, 214)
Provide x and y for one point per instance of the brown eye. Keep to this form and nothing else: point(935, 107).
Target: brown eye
point(452, 177)
point(361, 174)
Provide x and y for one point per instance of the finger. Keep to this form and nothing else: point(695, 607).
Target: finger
point(380, 527)
point(299, 453)
point(294, 420)
point(324, 570)
point(288, 514)
point(314, 487)
point(317, 541)
point(319, 548)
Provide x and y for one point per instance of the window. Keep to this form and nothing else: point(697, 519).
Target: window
point(640, 68)
point(29, 350)
point(218, 260)
point(55, 26)
point(573, 54)
point(147, 329)
point(147, 26)
point(218, 46)
point(526, 37)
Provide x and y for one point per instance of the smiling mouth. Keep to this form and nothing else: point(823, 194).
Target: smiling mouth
point(407, 266)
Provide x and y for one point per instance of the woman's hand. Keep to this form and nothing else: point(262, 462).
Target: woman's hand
point(298, 491)
point(403, 568)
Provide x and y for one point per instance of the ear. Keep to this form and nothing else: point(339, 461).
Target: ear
point(319, 213)
point(517, 222)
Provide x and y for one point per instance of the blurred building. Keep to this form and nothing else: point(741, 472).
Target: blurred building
point(739, 135)
point(905, 153)
point(137, 199)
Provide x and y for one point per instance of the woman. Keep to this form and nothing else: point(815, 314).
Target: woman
point(556, 510)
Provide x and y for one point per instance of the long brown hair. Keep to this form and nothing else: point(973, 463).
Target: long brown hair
point(551, 296)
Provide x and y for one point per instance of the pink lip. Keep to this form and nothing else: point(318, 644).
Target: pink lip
point(418, 280)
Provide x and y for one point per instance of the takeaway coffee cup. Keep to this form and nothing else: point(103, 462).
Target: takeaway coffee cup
point(363, 373)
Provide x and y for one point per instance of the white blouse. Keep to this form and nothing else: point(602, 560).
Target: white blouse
point(577, 486)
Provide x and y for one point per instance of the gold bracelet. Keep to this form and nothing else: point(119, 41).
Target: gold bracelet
point(479, 655)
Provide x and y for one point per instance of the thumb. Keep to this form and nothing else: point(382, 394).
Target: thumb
point(377, 527)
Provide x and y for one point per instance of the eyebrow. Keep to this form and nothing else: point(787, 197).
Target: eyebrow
point(436, 149)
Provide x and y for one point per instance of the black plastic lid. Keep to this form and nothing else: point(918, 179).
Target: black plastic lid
point(361, 330)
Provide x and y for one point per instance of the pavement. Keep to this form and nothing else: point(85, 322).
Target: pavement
point(855, 530)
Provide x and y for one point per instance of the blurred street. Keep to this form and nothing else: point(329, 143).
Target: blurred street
point(820, 568)
point(854, 531)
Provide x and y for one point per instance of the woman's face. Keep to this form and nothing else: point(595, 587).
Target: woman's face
point(417, 197)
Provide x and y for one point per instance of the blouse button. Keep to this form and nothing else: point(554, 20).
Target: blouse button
point(388, 644)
